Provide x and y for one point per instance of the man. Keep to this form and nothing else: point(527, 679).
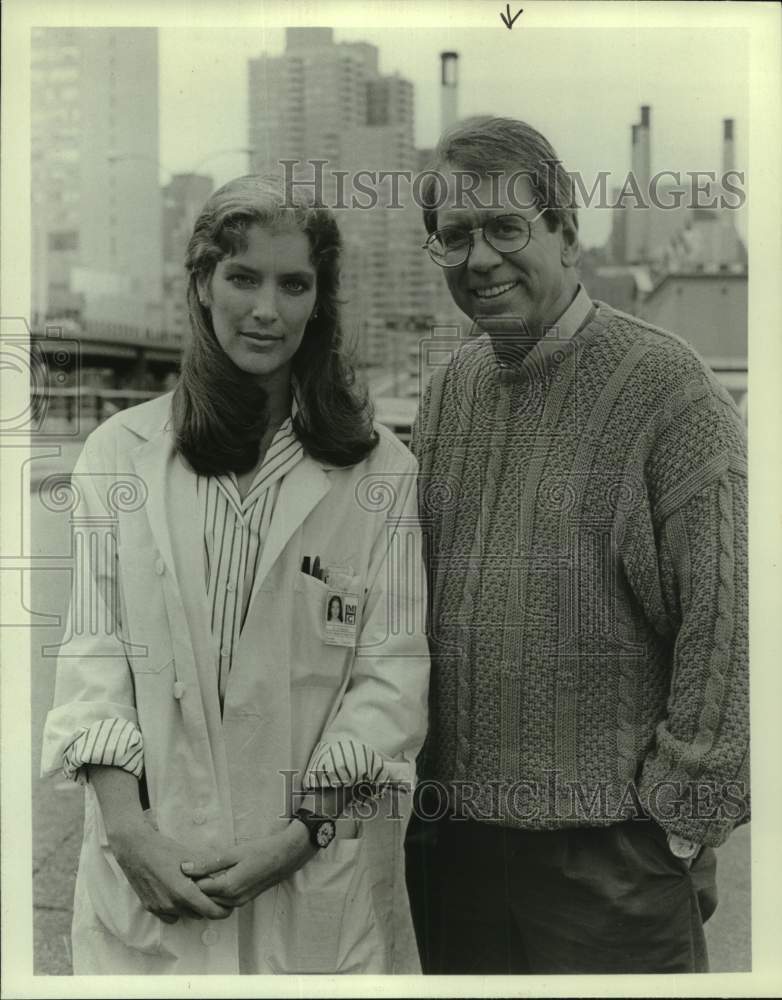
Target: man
point(583, 486)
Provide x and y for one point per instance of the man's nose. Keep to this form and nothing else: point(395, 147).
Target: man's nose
point(483, 256)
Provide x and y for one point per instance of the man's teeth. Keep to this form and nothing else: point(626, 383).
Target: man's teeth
point(494, 290)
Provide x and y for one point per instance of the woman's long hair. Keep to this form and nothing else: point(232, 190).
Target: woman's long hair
point(220, 412)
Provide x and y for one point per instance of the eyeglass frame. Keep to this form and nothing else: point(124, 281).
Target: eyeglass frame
point(482, 230)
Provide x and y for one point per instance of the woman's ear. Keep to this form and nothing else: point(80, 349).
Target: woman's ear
point(204, 297)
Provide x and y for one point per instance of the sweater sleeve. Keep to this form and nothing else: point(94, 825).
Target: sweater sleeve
point(695, 779)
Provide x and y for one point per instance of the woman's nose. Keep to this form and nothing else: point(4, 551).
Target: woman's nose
point(264, 305)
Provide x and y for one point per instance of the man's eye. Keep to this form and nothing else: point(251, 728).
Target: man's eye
point(508, 227)
point(452, 238)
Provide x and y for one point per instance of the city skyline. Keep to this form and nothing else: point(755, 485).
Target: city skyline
point(691, 88)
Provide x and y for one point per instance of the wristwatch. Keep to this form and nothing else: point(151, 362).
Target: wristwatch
point(321, 830)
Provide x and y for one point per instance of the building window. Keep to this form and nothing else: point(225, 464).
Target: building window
point(68, 240)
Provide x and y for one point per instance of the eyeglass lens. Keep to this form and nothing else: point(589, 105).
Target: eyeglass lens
point(505, 233)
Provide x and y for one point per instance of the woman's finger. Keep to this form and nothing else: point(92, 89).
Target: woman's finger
point(227, 902)
point(208, 865)
point(210, 884)
point(200, 903)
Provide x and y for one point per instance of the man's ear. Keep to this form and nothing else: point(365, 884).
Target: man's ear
point(571, 248)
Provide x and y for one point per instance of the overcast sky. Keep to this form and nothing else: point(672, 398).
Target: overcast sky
point(582, 87)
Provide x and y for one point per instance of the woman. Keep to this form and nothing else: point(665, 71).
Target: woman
point(199, 723)
point(335, 609)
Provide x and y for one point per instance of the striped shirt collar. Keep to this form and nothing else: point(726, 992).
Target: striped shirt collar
point(283, 453)
point(569, 323)
point(573, 318)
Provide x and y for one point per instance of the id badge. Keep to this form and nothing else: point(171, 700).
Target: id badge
point(340, 615)
point(341, 618)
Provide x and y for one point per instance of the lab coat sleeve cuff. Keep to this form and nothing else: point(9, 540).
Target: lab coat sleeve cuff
point(347, 762)
point(110, 742)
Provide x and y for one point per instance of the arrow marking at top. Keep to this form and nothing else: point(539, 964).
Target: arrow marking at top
point(507, 19)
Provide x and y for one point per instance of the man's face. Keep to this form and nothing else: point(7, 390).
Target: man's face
point(534, 285)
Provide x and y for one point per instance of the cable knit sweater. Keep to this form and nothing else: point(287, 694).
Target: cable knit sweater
point(587, 537)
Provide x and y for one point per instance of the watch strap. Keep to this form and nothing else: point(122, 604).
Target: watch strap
point(321, 829)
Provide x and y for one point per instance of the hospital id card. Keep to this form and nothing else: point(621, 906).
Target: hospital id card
point(341, 618)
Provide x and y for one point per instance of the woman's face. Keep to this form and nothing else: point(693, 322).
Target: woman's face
point(260, 301)
point(334, 607)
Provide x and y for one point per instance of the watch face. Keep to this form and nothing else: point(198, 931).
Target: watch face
point(325, 833)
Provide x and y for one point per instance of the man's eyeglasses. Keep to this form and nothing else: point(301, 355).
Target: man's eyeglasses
point(451, 245)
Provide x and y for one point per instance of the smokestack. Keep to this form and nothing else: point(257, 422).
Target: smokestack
point(728, 251)
point(644, 175)
point(644, 149)
point(634, 164)
point(449, 89)
point(645, 141)
point(728, 155)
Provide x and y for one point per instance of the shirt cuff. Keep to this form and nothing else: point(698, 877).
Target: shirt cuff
point(110, 742)
point(344, 763)
point(682, 848)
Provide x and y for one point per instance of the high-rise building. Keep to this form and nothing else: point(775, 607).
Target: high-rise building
point(183, 198)
point(327, 100)
point(95, 190)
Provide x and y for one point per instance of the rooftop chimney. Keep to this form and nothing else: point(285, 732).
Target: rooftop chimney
point(449, 89)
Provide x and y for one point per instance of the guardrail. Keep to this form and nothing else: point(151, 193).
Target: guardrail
point(79, 409)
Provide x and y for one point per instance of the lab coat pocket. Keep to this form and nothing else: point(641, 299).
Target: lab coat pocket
point(324, 919)
point(145, 624)
point(117, 910)
point(314, 660)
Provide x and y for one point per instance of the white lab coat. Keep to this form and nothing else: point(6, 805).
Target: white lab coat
point(214, 780)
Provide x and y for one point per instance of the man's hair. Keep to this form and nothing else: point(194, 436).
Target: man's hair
point(483, 144)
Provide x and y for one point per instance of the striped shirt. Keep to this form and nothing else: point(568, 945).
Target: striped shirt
point(234, 531)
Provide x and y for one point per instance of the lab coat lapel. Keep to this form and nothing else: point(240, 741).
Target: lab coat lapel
point(175, 514)
point(257, 725)
point(300, 491)
point(153, 461)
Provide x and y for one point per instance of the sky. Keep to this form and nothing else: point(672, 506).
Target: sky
point(581, 87)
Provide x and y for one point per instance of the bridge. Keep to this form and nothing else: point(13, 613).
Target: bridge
point(125, 356)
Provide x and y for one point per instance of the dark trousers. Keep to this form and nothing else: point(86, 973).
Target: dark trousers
point(490, 899)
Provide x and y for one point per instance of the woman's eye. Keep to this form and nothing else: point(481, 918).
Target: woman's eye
point(242, 280)
point(295, 285)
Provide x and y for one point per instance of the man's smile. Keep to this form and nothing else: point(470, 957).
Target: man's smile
point(494, 291)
